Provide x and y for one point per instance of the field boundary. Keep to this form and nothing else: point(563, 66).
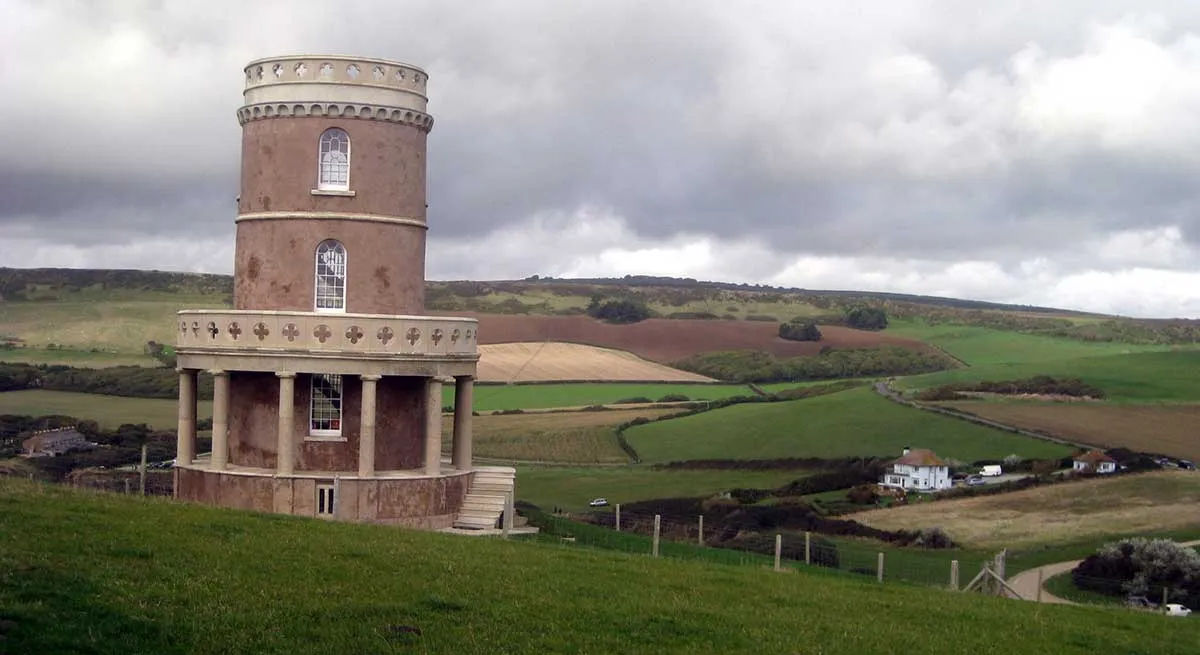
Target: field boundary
point(884, 389)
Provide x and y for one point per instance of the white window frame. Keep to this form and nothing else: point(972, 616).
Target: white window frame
point(328, 416)
point(333, 175)
point(327, 276)
point(325, 501)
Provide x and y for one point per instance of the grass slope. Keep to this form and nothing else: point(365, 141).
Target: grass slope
point(108, 411)
point(981, 346)
point(531, 396)
point(854, 422)
point(1150, 376)
point(157, 577)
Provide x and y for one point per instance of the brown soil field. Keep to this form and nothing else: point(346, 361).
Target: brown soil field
point(669, 340)
point(577, 437)
point(571, 362)
point(1163, 500)
point(1166, 429)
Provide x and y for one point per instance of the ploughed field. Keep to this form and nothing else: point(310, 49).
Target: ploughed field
point(669, 340)
point(1058, 513)
point(1167, 429)
point(573, 362)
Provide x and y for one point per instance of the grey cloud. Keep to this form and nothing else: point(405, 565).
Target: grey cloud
point(765, 121)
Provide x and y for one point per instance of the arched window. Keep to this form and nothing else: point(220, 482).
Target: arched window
point(325, 406)
point(331, 277)
point(334, 168)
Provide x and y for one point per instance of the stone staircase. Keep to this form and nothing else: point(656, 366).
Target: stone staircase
point(484, 505)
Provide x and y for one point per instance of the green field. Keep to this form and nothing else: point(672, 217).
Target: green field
point(571, 488)
point(108, 411)
point(80, 358)
point(981, 346)
point(489, 397)
point(153, 576)
point(1155, 376)
point(854, 422)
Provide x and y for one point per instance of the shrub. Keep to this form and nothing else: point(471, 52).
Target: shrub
point(863, 494)
point(634, 400)
point(1144, 567)
point(619, 311)
point(866, 318)
point(799, 331)
point(674, 398)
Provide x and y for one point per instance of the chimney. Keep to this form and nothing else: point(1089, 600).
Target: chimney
point(906, 449)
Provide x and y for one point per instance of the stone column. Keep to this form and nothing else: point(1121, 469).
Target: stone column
point(366, 434)
point(220, 430)
point(285, 445)
point(185, 448)
point(433, 426)
point(464, 390)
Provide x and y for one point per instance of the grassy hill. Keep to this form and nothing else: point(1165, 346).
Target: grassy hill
point(157, 577)
point(1139, 377)
point(854, 422)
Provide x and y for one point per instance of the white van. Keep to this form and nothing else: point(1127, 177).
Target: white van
point(990, 470)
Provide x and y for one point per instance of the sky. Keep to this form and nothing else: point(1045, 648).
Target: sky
point(1014, 151)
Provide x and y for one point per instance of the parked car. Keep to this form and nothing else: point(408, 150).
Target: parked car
point(599, 502)
point(1187, 464)
point(1139, 602)
point(1175, 609)
point(975, 480)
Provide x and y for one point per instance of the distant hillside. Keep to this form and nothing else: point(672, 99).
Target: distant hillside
point(670, 298)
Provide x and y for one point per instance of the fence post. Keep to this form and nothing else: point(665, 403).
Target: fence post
point(778, 549)
point(1165, 599)
point(879, 568)
point(700, 532)
point(142, 470)
point(954, 574)
point(618, 517)
point(807, 547)
point(126, 481)
point(657, 527)
point(1041, 573)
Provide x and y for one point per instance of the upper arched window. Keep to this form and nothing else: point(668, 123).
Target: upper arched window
point(331, 277)
point(334, 164)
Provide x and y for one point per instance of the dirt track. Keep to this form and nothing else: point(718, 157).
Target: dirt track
point(669, 340)
point(1025, 583)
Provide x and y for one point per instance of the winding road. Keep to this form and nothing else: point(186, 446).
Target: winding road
point(1025, 583)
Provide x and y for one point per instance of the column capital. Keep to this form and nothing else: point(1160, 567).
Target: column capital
point(372, 378)
point(217, 371)
point(464, 378)
point(284, 374)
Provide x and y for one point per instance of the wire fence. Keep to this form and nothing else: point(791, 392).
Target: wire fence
point(671, 537)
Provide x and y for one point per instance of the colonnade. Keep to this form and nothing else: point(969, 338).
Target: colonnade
point(461, 447)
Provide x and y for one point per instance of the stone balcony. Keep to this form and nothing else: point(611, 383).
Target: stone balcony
point(260, 339)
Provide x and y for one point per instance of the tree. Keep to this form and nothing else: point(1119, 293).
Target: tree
point(866, 318)
point(797, 330)
point(619, 311)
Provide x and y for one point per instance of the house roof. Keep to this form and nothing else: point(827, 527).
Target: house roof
point(920, 457)
point(1094, 457)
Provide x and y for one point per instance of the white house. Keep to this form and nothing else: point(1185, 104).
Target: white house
point(917, 470)
point(1094, 461)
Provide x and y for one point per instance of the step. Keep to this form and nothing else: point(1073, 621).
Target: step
point(482, 506)
point(474, 522)
point(492, 484)
point(492, 480)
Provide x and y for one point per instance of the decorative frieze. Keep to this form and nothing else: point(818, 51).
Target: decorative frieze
point(312, 332)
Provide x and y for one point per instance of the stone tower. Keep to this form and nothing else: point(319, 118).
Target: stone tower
point(327, 378)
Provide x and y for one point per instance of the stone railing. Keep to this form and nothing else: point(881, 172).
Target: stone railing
point(344, 70)
point(366, 334)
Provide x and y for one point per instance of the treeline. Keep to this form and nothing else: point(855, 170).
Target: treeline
point(19, 283)
point(130, 381)
point(1041, 385)
point(755, 366)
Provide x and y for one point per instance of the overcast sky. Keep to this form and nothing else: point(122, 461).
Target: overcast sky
point(1014, 151)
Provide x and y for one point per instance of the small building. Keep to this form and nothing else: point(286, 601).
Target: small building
point(918, 469)
point(1095, 461)
point(49, 443)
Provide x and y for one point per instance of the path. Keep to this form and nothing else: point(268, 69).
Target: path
point(1025, 583)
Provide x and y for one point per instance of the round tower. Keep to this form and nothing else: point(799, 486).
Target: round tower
point(327, 378)
point(333, 148)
